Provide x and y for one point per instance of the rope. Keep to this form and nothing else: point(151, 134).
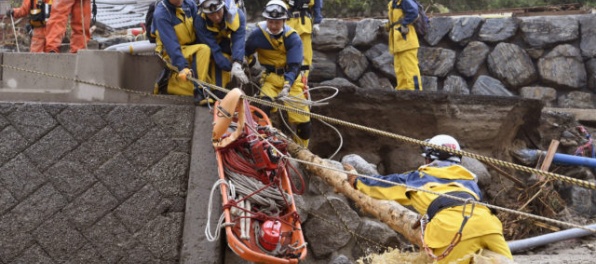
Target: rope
point(563, 178)
point(567, 179)
point(177, 98)
point(14, 30)
point(545, 219)
point(83, 24)
point(220, 222)
point(270, 197)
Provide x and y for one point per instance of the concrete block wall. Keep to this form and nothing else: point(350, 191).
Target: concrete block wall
point(88, 76)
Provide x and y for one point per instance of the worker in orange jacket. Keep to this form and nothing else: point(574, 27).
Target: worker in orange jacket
point(80, 22)
point(38, 14)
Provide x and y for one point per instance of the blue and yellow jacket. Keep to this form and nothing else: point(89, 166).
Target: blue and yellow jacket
point(173, 27)
point(439, 177)
point(283, 51)
point(227, 37)
point(402, 13)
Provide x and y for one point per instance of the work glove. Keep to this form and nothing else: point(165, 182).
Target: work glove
point(404, 29)
point(238, 72)
point(9, 12)
point(386, 26)
point(184, 74)
point(315, 29)
point(285, 91)
point(351, 177)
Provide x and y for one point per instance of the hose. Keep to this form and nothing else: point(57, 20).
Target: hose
point(523, 244)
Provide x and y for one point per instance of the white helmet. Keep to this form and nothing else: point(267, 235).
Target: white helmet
point(211, 6)
point(275, 9)
point(445, 141)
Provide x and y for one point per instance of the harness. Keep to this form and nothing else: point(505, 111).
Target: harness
point(300, 9)
point(444, 202)
point(439, 204)
point(273, 69)
point(277, 47)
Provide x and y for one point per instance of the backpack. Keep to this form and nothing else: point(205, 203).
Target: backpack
point(422, 23)
point(149, 21)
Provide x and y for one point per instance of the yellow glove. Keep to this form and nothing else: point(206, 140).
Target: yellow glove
point(184, 74)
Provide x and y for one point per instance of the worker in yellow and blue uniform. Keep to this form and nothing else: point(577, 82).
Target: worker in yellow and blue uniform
point(279, 51)
point(403, 43)
point(176, 44)
point(305, 18)
point(444, 216)
point(222, 26)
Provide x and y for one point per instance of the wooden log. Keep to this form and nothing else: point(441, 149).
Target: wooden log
point(396, 216)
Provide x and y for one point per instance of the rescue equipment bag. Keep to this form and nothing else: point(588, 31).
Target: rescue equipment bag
point(422, 23)
point(149, 21)
point(38, 14)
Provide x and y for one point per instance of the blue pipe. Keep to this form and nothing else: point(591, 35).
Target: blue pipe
point(566, 159)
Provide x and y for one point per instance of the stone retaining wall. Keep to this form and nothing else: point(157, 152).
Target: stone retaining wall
point(552, 58)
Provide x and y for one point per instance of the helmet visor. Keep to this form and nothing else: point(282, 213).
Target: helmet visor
point(211, 6)
point(275, 12)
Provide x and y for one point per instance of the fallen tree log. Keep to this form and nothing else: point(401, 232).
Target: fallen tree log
point(393, 214)
point(396, 216)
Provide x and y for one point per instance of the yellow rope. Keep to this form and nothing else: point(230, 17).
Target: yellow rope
point(545, 219)
point(567, 179)
point(183, 99)
point(563, 178)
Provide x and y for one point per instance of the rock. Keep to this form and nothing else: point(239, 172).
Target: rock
point(563, 67)
point(587, 43)
point(546, 94)
point(497, 29)
point(436, 61)
point(464, 28)
point(577, 99)
point(439, 27)
point(455, 84)
point(512, 65)
point(366, 32)
point(486, 85)
point(544, 31)
point(352, 62)
point(323, 68)
point(327, 235)
point(471, 58)
point(430, 83)
point(361, 165)
point(333, 35)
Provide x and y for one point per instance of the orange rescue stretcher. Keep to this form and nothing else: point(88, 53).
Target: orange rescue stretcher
point(246, 144)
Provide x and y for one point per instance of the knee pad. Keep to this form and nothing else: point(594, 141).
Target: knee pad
point(266, 108)
point(303, 130)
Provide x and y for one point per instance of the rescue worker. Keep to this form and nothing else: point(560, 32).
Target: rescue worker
point(305, 18)
point(176, 45)
point(445, 216)
point(38, 11)
point(279, 51)
point(222, 26)
point(403, 44)
point(80, 23)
